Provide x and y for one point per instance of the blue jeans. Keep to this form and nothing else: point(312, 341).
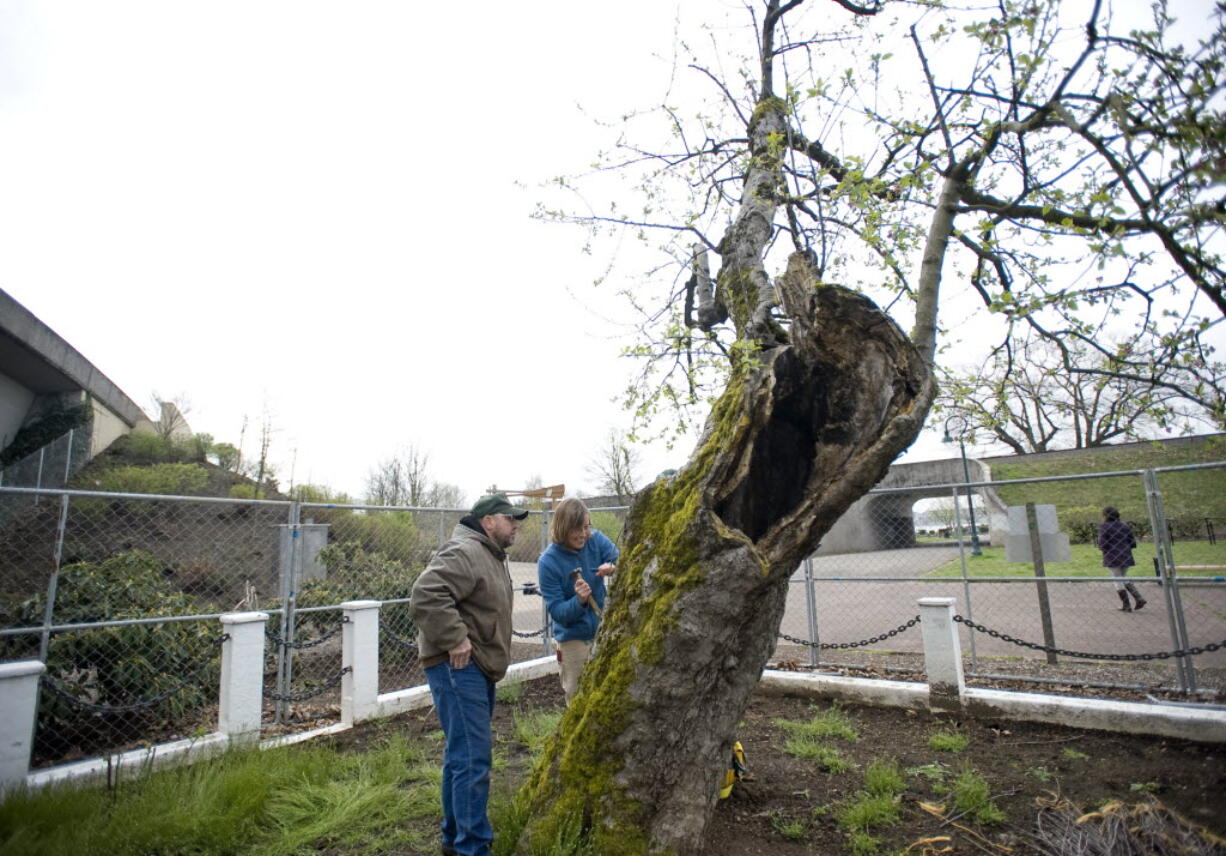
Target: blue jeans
point(464, 701)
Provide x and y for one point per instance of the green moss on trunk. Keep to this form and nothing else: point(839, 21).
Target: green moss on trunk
point(575, 783)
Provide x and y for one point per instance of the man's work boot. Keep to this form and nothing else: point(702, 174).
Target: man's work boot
point(1127, 607)
point(1136, 595)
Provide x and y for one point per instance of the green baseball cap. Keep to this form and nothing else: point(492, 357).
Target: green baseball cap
point(497, 503)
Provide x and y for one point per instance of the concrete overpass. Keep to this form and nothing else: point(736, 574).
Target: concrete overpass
point(883, 520)
point(40, 373)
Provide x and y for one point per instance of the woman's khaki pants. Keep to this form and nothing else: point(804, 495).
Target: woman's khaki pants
point(572, 657)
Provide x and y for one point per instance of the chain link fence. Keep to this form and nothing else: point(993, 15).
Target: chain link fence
point(120, 594)
point(1057, 620)
point(51, 466)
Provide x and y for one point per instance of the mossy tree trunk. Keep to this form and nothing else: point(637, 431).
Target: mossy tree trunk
point(800, 433)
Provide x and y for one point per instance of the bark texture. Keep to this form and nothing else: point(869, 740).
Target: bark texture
point(801, 432)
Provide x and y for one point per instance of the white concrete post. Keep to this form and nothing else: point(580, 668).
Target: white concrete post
point(242, 675)
point(360, 653)
point(942, 653)
point(18, 705)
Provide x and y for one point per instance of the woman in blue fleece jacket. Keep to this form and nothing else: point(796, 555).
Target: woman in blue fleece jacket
point(571, 575)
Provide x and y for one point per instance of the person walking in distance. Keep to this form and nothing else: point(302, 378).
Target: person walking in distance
point(461, 605)
point(571, 574)
point(1116, 541)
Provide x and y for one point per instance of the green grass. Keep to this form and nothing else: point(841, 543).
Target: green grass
point(535, 727)
point(509, 693)
point(813, 749)
point(831, 722)
point(810, 739)
point(1087, 561)
point(883, 776)
point(791, 829)
point(867, 811)
point(972, 796)
point(860, 843)
point(1191, 494)
point(876, 806)
point(934, 772)
point(281, 802)
point(299, 800)
point(948, 741)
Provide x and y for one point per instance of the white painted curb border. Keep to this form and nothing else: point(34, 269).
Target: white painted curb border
point(1185, 723)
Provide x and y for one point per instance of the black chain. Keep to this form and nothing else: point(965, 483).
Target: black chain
point(298, 646)
point(1157, 655)
point(527, 635)
point(843, 645)
point(399, 640)
point(306, 694)
point(59, 688)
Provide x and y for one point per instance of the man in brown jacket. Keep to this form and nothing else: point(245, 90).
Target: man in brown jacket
point(461, 605)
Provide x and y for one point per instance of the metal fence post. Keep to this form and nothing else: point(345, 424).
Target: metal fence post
point(966, 588)
point(1168, 579)
point(68, 457)
point(54, 581)
point(545, 530)
point(289, 595)
point(811, 608)
point(546, 628)
point(1040, 573)
point(965, 570)
point(38, 482)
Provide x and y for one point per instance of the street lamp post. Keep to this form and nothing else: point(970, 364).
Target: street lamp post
point(960, 426)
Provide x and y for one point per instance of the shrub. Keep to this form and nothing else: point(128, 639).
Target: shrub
point(226, 454)
point(167, 479)
point(142, 449)
point(390, 534)
point(49, 427)
point(609, 523)
point(355, 573)
point(119, 665)
point(528, 544)
point(320, 493)
point(245, 491)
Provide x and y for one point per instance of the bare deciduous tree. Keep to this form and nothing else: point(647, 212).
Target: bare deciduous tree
point(404, 479)
point(1037, 394)
point(172, 413)
point(263, 468)
point(615, 466)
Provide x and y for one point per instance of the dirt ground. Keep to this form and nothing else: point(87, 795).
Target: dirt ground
point(1034, 772)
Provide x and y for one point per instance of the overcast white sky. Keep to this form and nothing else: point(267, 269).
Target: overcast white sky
point(317, 205)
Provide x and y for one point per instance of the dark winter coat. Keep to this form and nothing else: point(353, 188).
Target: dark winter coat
point(1116, 541)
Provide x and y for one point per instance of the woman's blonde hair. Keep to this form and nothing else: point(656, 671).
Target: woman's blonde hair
point(567, 517)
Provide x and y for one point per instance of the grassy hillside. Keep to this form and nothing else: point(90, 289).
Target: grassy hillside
point(1189, 497)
